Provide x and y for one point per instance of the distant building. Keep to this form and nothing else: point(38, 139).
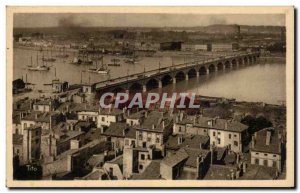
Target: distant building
point(172, 46)
point(59, 86)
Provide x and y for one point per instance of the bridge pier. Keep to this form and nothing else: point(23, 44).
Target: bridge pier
point(186, 77)
point(159, 84)
point(144, 88)
point(174, 80)
point(207, 71)
point(197, 74)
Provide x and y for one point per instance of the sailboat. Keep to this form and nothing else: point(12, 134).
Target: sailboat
point(48, 59)
point(131, 60)
point(42, 67)
point(101, 70)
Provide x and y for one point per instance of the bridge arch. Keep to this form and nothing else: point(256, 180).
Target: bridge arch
point(212, 68)
point(220, 66)
point(202, 70)
point(241, 61)
point(250, 61)
point(192, 73)
point(234, 63)
point(135, 87)
point(227, 64)
point(152, 84)
point(167, 79)
point(180, 76)
point(118, 90)
point(245, 60)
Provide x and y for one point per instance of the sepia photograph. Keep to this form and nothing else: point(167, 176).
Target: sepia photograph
point(150, 97)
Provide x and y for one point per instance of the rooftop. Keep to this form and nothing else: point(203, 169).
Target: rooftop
point(192, 141)
point(260, 142)
point(175, 158)
point(118, 129)
point(152, 172)
point(214, 123)
point(155, 121)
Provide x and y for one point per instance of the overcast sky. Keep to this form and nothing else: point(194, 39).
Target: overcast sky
point(142, 19)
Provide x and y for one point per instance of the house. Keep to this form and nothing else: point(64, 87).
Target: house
point(46, 120)
point(116, 133)
point(60, 141)
point(45, 105)
point(152, 172)
point(222, 132)
point(114, 168)
point(135, 118)
point(154, 130)
point(266, 148)
point(171, 167)
point(59, 86)
point(18, 145)
point(137, 159)
point(108, 116)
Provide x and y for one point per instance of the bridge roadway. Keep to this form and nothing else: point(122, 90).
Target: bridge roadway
point(159, 77)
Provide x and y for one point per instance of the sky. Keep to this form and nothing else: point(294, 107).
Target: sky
point(142, 19)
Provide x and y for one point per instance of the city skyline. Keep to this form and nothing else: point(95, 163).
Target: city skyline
point(25, 20)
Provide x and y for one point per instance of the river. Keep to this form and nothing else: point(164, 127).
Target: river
point(257, 83)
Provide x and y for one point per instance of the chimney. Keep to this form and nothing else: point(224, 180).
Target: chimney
point(153, 127)
point(268, 137)
point(253, 141)
point(163, 124)
point(181, 116)
point(199, 160)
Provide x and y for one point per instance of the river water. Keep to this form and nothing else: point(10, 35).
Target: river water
point(256, 83)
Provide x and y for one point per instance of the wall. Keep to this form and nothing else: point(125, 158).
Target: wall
point(266, 156)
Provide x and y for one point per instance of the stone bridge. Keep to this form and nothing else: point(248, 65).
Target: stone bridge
point(158, 78)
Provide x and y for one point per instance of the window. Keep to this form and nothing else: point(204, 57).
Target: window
point(140, 136)
point(157, 140)
point(234, 135)
point(235, 143)
point(256, 153)
point(214, 133)
point(229, 136)
point(36, 141)
point(141, 167)
point(131, 123)
point(274, 164)
point(142, 156)
point(219, 141)
point(204, 130)
point(265, 162)
point(219, 133)
point(25, 125)
point(103, 119)
point(126, 142)
point(265, 154)
point(36, 132)
point(179, 129)
point(256, 161)
point(144, 145)
point(274, 156)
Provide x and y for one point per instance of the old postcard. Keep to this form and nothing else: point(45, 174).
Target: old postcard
point(150, 97)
